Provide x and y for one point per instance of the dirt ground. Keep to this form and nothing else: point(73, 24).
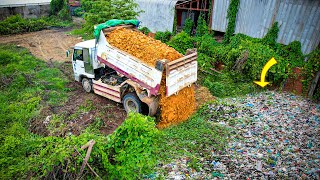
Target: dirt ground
point(51, 45)
point(47, 44)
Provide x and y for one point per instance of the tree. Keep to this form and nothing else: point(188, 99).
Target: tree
point(100, 11)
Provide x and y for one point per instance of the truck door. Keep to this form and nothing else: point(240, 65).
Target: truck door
point(78, 64)
point(87, 61)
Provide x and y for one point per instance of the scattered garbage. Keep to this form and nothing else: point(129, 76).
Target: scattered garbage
point(276, 135)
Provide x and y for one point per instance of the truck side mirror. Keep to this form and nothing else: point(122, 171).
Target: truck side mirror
point(67, 53)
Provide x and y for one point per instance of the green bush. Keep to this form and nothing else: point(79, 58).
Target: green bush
point(206, 44)
point(310, 69)
point(188, 25)
point(78, 11)
point(257, 56)
point(163, 36)
point(202, 27)
point(272, 35)
point(145, 30)
point(181, 42)
point(16, 24)
point(56, 6)
point(231, 16)
point(100, 11)
point(64, 13)
point(292, 52)
point(131, 148)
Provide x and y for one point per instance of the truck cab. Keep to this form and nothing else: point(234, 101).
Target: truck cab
point(84, 61)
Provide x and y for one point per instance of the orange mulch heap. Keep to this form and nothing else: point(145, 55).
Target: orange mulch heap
point(174, 109)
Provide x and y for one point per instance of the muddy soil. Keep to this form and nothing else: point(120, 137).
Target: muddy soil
point(98, 110)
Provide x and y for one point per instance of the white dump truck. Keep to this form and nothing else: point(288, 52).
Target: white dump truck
point(121, 77)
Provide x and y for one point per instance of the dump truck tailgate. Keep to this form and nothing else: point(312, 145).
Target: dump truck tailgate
point(181, 73)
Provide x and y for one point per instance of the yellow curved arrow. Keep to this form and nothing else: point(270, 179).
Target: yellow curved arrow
point(265, 69)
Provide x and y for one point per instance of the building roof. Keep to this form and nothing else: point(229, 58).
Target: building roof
point(16, 3)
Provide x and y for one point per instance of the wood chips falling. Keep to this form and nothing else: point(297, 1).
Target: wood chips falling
point(174, 109)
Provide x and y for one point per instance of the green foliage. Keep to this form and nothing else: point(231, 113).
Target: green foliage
point(26, 81)
point(311, 68)
point(131, 152)
point(202, 27)
point(256, 57)
point(195, 138)
point(292, 52)
point(78, 11)
point(224, 85)
point(188, 25)
point(145, 30)
point(206, 44)
point(56, 6)
point(175, 21)
point(16, 24)
point(231, 16)
point(21, 93)
point(100, 11)
point(64, 13)
point(163, 36)
point(271, 37)
point(181, 42)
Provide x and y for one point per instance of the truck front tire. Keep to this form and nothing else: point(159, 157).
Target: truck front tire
point(87, 85)
point(132, 103)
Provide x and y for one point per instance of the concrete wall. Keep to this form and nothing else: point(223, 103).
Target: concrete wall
point(27, 11)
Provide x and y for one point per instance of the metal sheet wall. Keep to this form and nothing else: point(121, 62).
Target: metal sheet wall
point(158, 15)
point(298, 19)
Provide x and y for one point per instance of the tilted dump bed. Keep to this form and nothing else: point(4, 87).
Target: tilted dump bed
point(179, 73)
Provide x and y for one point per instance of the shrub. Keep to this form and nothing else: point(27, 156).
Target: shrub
point(181, 42)
point(231, 16)
point(56, 6)
point(131, 148)
point(271, 37)
point(15, 24)
point(163, 36)
point(188, 26)
point(310, 69)
point(145, 30)
point(78, 11)
point(202, 28)
point(64, 13)
point(292, 52)
point(100, 11)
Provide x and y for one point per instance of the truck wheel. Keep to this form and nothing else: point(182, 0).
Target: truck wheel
point(132, 103)
point(87, 85)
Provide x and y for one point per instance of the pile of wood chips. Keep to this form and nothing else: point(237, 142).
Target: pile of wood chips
point(175, 108)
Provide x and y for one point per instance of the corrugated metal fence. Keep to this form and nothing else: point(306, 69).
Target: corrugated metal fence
point(298, 19)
